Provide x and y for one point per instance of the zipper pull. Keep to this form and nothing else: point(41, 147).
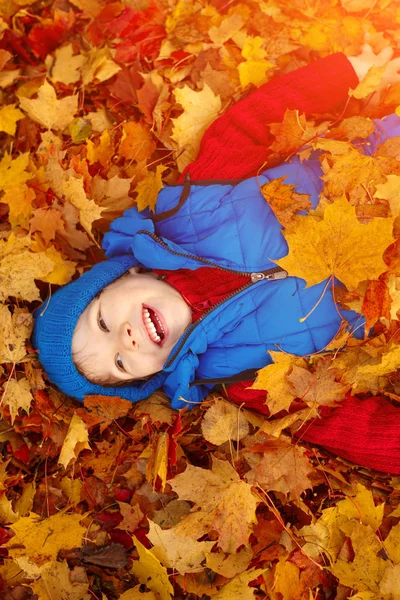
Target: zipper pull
point(271, 277)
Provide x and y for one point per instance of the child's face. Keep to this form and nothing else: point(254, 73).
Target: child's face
point(129, 330)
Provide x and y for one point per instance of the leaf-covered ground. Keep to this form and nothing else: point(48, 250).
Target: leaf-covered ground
point(100, 102)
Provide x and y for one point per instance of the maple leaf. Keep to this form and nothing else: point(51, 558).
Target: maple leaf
point(337, 245)
point(9, 115)
point(137, 142)
point(37, 541)
point(48, 110)
point(17, 394)
point(15, 330)
point(200, 110)
point(226, 503)
point(176, 551)
point(370, 83)
point(150, 571)
point(283, 200)
point(55, 583)
point(99, 65)
point(12, 171)
point(223, 422)
point(148, 189)
point(48, 221)
point(76, 440)
point(273, 379)
point(103, 151)
point(19, 267)
point(19, 199)
point(64, 67)
point(238, 587)
point(132, 515)
point(293, 132)
point(281, 467)
point(88, 209)
point(390, 190)
point(319, 387)
point(103, 410)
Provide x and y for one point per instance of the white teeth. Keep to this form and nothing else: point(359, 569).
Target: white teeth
point(152, 331)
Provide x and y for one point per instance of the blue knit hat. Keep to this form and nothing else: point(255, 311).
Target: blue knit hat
point(54, 325)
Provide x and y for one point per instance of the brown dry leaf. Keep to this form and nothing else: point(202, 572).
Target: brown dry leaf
point(132, 515)
point(157, 408)
point(47, 110)
point(226, 503)
point(281, 467)
point(76, 440)
point(293, 132)
point(48, 221)
point(224, 422)
point(338, 245)
point(104, 410)
point(352, 128)
point(284, 201)
point(319, 387)
point(376, 302)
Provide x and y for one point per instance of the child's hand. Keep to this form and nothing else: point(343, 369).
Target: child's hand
point(367, 59)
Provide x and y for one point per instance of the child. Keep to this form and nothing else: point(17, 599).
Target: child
point(189, 297)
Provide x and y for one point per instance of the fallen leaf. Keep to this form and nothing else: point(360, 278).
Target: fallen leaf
point(88, 209)
point(17, 394)
point(319, 387)
point(55, 583)
point(48, 110)
point(150, 572)
point(137, 143)
point(148, 189)
point(284, 201)
point(9, 115)
point(64, 67)
point(15, 330)
point(338, 245)
point(76, 440)
point(13, 171)
point(224, 422)
point(239, 586)
point(103, 410)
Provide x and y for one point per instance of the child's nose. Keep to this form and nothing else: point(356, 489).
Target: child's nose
point(129, 338)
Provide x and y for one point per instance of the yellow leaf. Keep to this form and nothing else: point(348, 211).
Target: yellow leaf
point(158, 461)
point(148, 189)
point(15, 330)
point(223, 422)
point(64, 67)
point(229, 565)
point(7, 78)
point(88, 209)
point(19, 267)
point(48, 110)
point(102, 152)
point(9, 115)
point(17, 394)
point(319, 387)
point(252, 49)
point(273, 379)
point(55, 583)
point(337, 245)
point(226, 503)
point(37, 540)
point(177, 551)
point(12, 172)
point(7, 514)
point(72, 490)
point(200, 110)
point(99, 65)
point(76, 440)
point(136, 594)
point(239, 586)
point(287, 580)
point(137, 142)
point(389, 363)
point(19, 199)
point(150, 572)
point(24, 504)
point(228, 27)
point(254, 71)
point(362, 507)
point(394, 292)
point(63, 269)
point(390, 190)
point(390, 582)
point(369, 84)
point(283, 200)
point(293, 132)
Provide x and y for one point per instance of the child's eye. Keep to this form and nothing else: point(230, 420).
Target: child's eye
point(119, 363)
point(101, 323)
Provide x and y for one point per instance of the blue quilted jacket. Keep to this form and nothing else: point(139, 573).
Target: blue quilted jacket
point(231, 226)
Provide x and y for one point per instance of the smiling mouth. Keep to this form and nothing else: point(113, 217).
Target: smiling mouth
point(153, 325)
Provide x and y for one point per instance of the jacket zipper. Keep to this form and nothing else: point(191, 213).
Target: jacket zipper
point(273, 274)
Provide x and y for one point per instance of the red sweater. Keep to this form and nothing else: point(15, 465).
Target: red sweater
point(367, 432)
